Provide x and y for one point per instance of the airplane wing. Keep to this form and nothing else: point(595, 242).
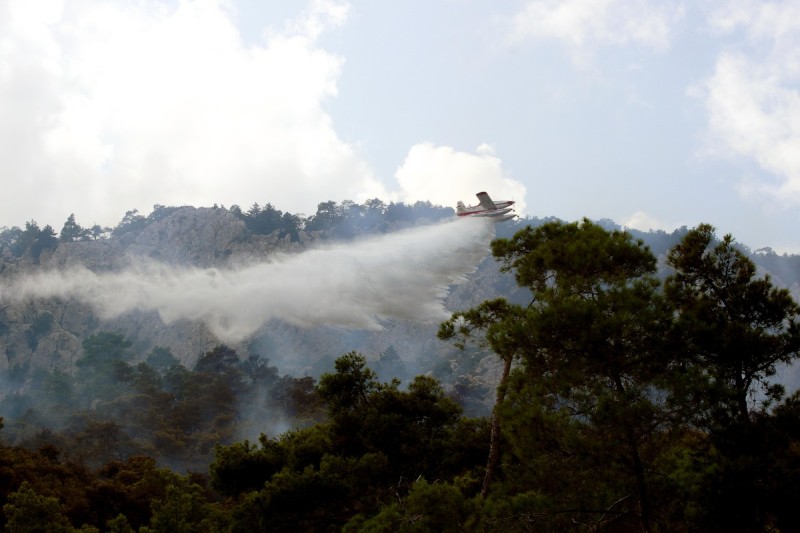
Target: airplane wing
point(485, 201)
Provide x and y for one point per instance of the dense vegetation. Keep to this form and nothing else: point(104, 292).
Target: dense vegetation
point(627, 402)
point(342, 221)
point(332, 220)
point(112, 408)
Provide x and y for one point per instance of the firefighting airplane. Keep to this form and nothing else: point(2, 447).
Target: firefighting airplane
point(498, 211)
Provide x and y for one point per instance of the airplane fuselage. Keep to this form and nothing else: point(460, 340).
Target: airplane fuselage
point(486, 208)
point(481, 212)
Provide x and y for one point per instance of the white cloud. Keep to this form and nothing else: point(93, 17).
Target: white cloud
point(752, 97)
point(645, 222)
point(583, 24)
point(108, 106)
point(320, 16)
point(444, 176)
point(774, 21)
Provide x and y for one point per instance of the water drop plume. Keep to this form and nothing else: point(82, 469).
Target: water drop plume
point(358, 284)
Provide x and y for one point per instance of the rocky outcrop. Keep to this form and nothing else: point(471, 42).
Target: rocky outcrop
point(203, 237)
point(49, 333)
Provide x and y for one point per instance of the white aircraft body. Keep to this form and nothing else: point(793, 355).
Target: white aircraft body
point(498, 211)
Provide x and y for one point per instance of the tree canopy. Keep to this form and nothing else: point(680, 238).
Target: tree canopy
point(625, 402)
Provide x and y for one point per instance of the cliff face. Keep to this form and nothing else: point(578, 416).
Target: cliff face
point(48, 332)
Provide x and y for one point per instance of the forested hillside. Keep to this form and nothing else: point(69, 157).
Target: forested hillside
point(590, 379)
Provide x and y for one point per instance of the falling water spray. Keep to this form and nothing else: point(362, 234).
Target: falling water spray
point(358, 284)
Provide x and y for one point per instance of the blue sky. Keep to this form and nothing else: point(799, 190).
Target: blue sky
point(655, 114)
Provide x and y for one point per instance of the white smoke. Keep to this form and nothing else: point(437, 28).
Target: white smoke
point(402, 275)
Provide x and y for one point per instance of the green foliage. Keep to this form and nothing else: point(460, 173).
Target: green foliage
point(103, 369)
point(347, 391)
point(119, 524)
point(128, 488)
point(243, 467)
point(103, 441)
point(103, 347)
point(532, 511)
point(327, 217)
point(44, 483)
point(183, 509)
point(428, 507)
point(160, 212)
point(743, 477)
point(44, 492)
point(318, 478)
point(113, 408)
point(350, 220)
point(615, 372)
point(311, 500)
point(299, 398)
point(307, 446)
point(390, 365)
point(97, 232)
point(785, 267)
point(160, 359)
point(27, 512)
point(592, 354)
point(132, 222)
point(412, 428)
point(624, 404)
point(572, 259)
point(219, 361)
point(31, 241)
point(736, 326)
point(595, 306)
point(267, 220)
point(72, 231)
point(9, 237)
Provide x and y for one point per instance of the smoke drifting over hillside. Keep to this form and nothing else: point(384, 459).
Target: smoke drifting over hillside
point(402, 275)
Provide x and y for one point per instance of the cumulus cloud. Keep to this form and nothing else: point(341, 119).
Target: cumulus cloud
point(752, 97)
point(644, 222)
point(444, 175)
point(582, 24)
point(108, 106)
point(359, 285)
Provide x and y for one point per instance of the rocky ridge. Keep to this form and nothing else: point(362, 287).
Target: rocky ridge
point(48, 333)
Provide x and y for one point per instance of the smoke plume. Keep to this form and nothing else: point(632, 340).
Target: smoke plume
point(358, 285)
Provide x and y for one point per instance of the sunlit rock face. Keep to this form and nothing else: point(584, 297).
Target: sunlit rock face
point(48, 332)
point(215, 243)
